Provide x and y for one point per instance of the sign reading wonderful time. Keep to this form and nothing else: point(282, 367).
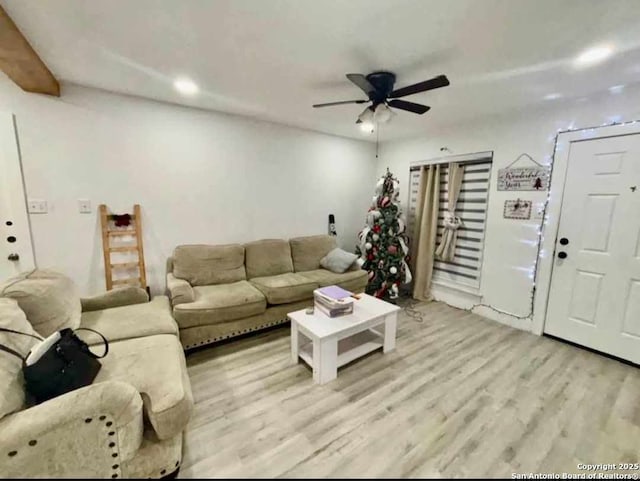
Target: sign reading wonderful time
point(523, 178)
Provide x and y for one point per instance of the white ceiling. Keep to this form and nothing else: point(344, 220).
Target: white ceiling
point(272, 59)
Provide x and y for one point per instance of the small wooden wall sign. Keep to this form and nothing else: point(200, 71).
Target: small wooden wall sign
point(517, 209)
point(535, 177)
point(523, 178)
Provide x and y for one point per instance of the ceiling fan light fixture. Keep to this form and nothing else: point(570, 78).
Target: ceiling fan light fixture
point(367, 127)
point(366, 116)
point(383, 114)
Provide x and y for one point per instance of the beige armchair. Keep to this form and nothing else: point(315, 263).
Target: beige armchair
point(129, 422)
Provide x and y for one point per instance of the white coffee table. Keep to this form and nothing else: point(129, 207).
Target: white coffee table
point(326, 343)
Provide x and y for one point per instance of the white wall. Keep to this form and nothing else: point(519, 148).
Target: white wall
point(510, 245)
point(200, 177)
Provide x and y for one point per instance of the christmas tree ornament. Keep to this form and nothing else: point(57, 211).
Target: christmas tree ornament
point(393, 270)
point(375, 237)
point(392, 250)
point(368, 246)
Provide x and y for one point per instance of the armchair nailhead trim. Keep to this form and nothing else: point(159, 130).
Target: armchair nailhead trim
point(102, 418)
point(88, 420)
point(12, 453)
point(163, 472)
point(33, 442)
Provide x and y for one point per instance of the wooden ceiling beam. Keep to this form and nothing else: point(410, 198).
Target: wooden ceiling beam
point(21, 63)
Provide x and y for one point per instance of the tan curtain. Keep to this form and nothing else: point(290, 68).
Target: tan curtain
point(424, 242)
point(446, 249)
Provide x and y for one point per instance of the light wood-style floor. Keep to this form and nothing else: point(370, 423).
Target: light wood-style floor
point(461, 396)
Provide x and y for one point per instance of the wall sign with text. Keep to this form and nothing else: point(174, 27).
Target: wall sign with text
point(517, 209)
point(523, 178)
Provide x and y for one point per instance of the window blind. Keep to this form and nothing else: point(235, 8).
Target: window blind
point(466, 266)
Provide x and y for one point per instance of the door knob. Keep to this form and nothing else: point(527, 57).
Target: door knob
point(562, 255)
point(13, 257)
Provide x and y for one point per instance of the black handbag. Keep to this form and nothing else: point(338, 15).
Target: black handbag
point(68, 364)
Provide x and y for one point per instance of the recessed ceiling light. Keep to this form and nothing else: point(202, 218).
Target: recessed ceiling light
point(594, 55)
point(553, 96)
point(616, 89)
point(185, 86)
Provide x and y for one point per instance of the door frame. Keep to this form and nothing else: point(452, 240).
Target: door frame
point(10, 148)
point(562, 150)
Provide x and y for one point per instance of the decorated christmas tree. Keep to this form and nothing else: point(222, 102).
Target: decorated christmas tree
point(383, 244)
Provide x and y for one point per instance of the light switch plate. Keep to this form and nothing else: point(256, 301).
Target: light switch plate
point(37, 206)
point(84, 206)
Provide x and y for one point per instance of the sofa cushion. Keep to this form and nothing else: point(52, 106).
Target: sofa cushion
point(354, 281)
point(268, 257)
point(204, 265)
point(12, 394)
point(338, 261)
point(307, 251)
point(285, 288)
point(127, 322)
point(220, 303)
point(48, 299)
point(155, 366)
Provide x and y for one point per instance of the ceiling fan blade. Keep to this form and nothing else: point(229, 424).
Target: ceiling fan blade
point(434, 83)
point(410, 106)
point(362, 82)
point(329, 104)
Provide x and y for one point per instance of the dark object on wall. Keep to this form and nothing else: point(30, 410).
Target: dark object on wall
point(332, 225)
point(378, 86)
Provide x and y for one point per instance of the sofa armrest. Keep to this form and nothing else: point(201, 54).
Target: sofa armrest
point(85, 433)
point(115, 298)
point(180, 290)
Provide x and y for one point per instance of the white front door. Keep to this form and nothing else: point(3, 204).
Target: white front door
point(16, 251)
point(594, 298)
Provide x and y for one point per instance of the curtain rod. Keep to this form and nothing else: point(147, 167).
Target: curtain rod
point(473, 158)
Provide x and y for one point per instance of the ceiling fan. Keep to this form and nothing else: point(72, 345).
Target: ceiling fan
point(379, 88)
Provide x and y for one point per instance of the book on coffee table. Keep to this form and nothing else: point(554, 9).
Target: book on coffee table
point(333, 301)
point(334, 292)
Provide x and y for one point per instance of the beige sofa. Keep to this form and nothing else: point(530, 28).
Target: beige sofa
point(218, 292)
point(129, 422)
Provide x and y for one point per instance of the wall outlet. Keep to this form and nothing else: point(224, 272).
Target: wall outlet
point(84, 206)
point(37, 206)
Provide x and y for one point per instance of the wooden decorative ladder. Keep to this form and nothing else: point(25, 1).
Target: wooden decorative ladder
point(110, 233)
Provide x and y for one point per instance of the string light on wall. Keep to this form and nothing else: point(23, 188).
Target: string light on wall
point(533, 270)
